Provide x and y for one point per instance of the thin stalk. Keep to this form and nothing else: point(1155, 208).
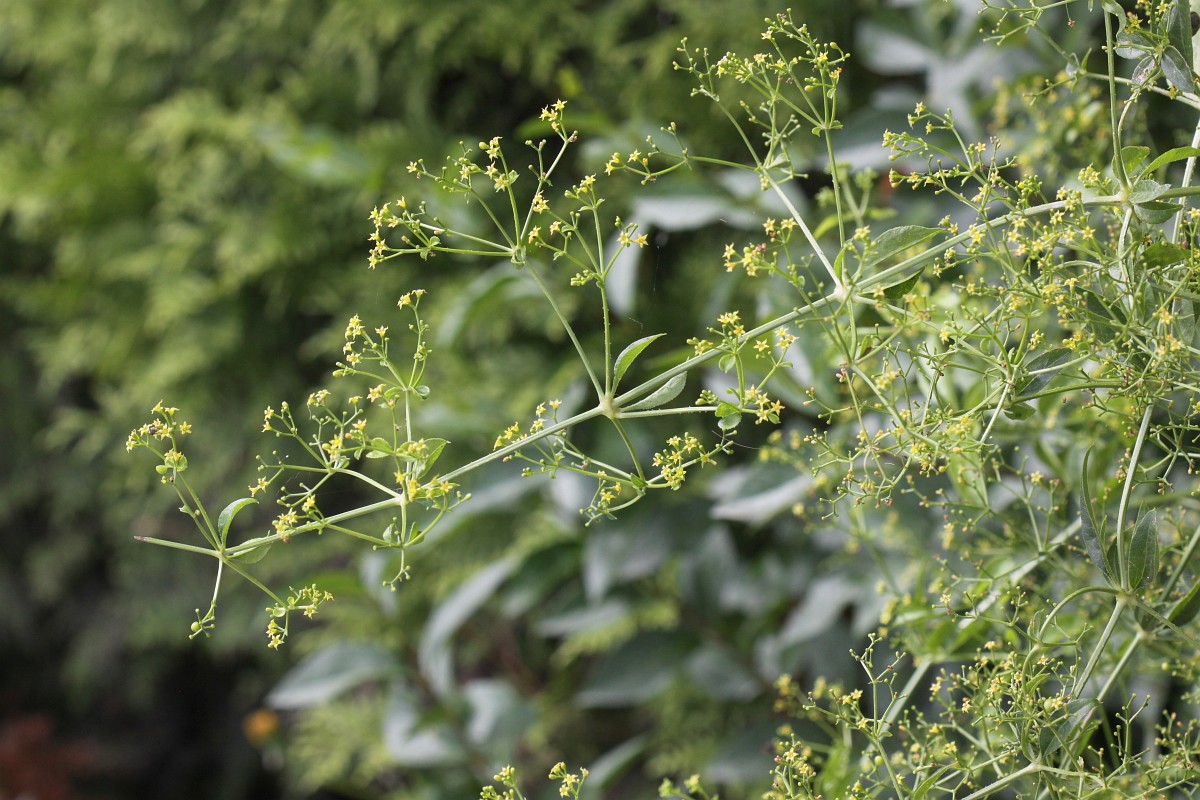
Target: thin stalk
point(1123, 508)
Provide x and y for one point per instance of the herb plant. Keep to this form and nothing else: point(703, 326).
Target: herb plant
point(998, 418)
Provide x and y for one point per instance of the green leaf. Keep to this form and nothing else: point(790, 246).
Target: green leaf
point(330, 671)
point(1020, 411)
point(966, 473)
point(1155, 212)
point(413, 741)
point(379, 448)
point(1143, 553)
point(1172, 155)
point(1188, 606)
point(1179, 34)
point(661, 396)
point(1114, 8)
point(895, 241)
point(728, 416)
point(1162, 254)
point(1087, 526)
point(1133, 44)
point(1132, 155)
point(1146, 190)
point(1041, 370)
point(629, 354)
point(434, 652)
point(897, 290)
point(255, 554)
point(1185, 321)
point(227, 515)
point(1177, 71)
point(637, 671)
point(433, 450)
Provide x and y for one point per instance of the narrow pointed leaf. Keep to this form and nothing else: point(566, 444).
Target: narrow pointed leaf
point(1187, 608)
point(897, 240)
point(1042, 370)
point(227, 515)
point(1174, 154)
point(1143, 552)
point(629, 354)
point(897, 290)
point(1087, 526)
point(661, 396)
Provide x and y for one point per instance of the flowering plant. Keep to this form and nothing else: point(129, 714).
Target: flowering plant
point(1020, 376)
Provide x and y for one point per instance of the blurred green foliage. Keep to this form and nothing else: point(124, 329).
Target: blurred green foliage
point(184, 190)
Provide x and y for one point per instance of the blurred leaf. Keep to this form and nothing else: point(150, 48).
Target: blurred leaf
point(434, 653)
point(330, 671)
point(637, 671)
point(413, 743)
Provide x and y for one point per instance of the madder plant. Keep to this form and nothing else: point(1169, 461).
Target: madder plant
point(1004, 397)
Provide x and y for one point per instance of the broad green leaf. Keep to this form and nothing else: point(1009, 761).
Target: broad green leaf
point(1162, 254)
point(1155, 212)
point(1041, 370)
point(728, 416)
point(379, 448)
point(1146, 190)
point(1143, 552)
point(227, 515)
point(1132, 155)
point(328, 672)
point(1172, 155)
point(895, 241)
point(1178, 71)
point(1133, 44)
point(629, 354)
point(897, 291)
point(660, 396)
point(1087, 525)
point(1020, 410)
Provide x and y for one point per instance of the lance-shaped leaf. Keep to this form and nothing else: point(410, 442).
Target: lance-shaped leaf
point(1188, 606)
point(1042, 370)
point(895, 241)
point(1172, 155)
point(1179, 34)
point(227, 515)
point(629, 354)
point(897, 290)
point(661, 396)
point(1087, 527)
point(1143, 552)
